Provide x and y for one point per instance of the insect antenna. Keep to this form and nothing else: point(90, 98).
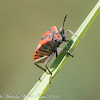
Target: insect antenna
point(63, 24)
point(64, 21)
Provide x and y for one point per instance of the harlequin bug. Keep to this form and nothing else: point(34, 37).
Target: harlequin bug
point(49, 45)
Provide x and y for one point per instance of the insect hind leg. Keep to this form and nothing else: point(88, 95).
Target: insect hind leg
point(40, 67)
point(38, 60)
point(48, 59)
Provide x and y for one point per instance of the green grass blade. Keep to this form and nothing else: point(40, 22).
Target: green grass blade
point(40, 86)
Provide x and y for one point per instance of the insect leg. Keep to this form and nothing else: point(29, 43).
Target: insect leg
point(56, 53)
point(48, 59)
point(66, 47)
point(38, 60)
point(66, 40)
point(60, 50)
point(35, 62)
point(40, 67)
point(68, 50)
point(69, 32)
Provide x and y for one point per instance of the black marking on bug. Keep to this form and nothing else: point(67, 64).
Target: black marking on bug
point(36, 55)
point(42, 38)
point(37, 52)
point(41, 56)
point(42, 50)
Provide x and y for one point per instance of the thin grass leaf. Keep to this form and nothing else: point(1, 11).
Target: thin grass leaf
point(40, 86)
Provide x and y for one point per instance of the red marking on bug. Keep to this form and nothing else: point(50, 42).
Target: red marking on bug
point(46, 33)
point(54, 28)
point(51, 42)
point(42, 42)
point(56, 35)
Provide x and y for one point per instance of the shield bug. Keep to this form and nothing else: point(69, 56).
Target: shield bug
point(49, 45)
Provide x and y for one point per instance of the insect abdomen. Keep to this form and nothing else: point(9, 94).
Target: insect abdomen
point(38, 54)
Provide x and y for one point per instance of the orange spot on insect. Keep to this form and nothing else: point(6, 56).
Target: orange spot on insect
point(56, 36)
point(48, 39)
point(46, 33)
point(39, 45)
point(54, 28)
point(44, 41)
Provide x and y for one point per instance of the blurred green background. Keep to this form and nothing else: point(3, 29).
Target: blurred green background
point(22, 24)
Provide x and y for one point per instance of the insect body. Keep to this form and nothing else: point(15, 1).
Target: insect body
point(49, 45)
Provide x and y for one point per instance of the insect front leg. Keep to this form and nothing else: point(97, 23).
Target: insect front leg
point(48, 59)
point(66, 32)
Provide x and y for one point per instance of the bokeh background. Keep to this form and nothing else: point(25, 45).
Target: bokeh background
point(22, 24)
